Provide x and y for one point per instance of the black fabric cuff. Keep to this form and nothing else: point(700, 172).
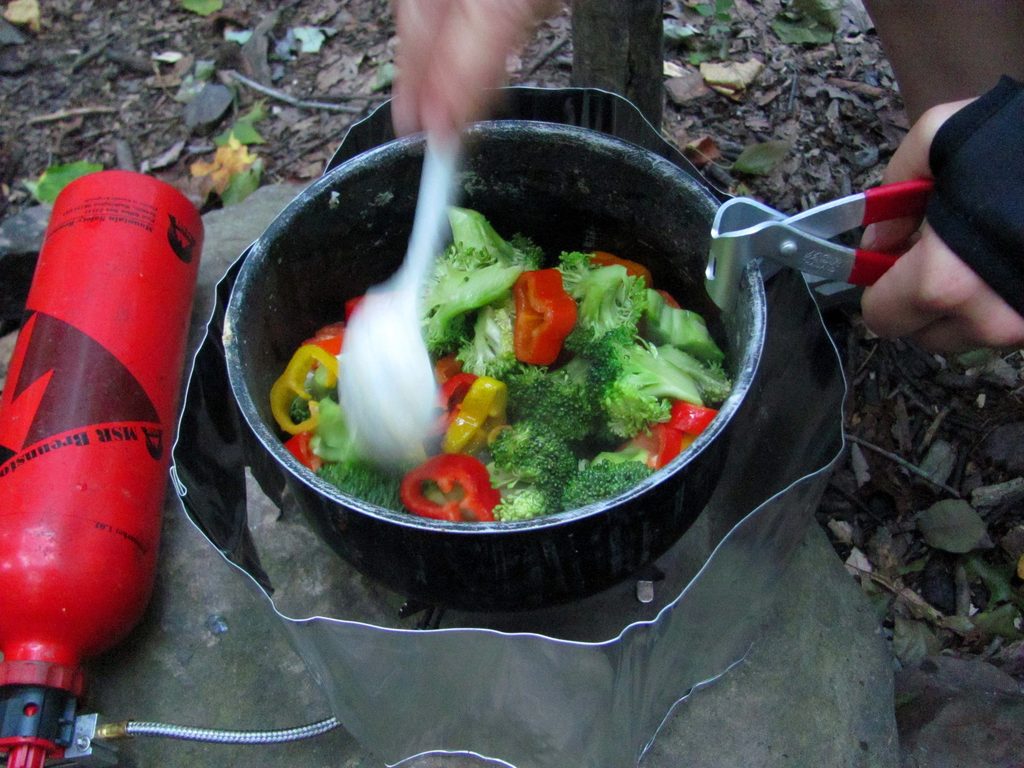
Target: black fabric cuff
point(977, 207)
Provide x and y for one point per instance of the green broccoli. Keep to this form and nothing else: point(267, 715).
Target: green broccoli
point(681, 328)
point(478, 245)
point(649, 379)
point(529, 454)
point(609, 297)
point(560, 401)
point(365, 481)
point(333, 440)
point(711, 378)
point(602, 480)
point(490, 351)
point(526, 503)
point(477, 269)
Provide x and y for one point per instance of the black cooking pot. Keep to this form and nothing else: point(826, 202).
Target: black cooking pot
point(568, 188)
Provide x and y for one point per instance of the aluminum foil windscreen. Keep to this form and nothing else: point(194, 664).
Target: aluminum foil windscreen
point(585, 684)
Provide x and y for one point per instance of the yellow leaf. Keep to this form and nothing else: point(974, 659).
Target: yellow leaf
point(1020, 567)
point(231, 159)
point(23, 12)
point(731, 78)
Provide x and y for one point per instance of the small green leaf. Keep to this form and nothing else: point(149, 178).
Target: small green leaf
point(46, 188)
point(913, 641)
point(202, 7)
point(243, 184)
point(952, 525)
point(914, 566)
point(805, 31)
point(996, 579)
point(828, 13)
point(675, 32)
point(761, 159)
point(310, 39)
point(385, 77)
point(244, 128)
point(1002, 621)
point(696, 57)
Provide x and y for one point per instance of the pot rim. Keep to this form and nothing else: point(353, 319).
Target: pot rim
point(746, 367)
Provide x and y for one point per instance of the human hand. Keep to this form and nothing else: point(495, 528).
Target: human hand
point(451, 52)
point(929, 294)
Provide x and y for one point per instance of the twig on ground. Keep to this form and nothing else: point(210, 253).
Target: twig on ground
point(287, 98)
point(903, 463)
point(66, 113)
point(93, 53)
point(546, 54)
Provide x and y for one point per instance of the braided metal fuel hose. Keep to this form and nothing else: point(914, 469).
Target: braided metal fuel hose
point(128, 728)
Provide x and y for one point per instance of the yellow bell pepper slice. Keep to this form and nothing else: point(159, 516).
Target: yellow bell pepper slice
point(481, 410)
point(292, 384)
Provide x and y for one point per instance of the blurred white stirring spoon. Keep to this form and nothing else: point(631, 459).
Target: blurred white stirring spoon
point(386, 382)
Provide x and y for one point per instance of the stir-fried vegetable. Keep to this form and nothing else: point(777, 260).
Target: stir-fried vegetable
point(559, 385)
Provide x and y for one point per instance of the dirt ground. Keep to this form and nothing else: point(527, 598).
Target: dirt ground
point(103, 83)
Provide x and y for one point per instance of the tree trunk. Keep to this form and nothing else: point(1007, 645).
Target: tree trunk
point(617, 46)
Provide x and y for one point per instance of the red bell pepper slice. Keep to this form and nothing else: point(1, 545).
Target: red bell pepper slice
point(453, 392)
point(329, 338)
point(545, 314)
point(689, 418)
point(351, 305)
point(636, 269)
point(300, 448)
point(660, 442)
point(450, 486)
point(669, 299)
point(446, 367)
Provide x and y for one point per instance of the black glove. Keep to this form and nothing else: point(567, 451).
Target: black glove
point(977, 207)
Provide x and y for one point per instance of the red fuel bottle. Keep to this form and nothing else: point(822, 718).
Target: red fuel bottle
point(86, 420)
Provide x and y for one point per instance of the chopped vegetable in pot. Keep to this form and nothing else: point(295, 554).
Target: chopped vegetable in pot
point(559, 385)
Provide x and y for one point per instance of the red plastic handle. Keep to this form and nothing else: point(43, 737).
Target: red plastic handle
point(895, 201)
point(868, 266)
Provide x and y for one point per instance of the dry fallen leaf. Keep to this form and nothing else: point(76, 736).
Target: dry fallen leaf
point(23, 13)
point(701, 151)
point(731, 78)
point(230, 160)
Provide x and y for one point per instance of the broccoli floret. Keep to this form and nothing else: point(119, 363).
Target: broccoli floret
point(365, 481)
point(559, 401)
point(602, 480)
point(333, 440)
point(609, 297)
point(526, 503)
point(681, 328)
point(650, 377)
point(529, 454)
point(477, 269)
point(711, 378)
point(476, 244)
point(299, 410)
point(491, 349)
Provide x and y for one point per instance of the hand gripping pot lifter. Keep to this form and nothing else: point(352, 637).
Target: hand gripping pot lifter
point(86, 420)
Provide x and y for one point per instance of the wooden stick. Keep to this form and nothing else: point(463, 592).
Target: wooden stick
point(287, 98)
point(66, 113)
point(903, 463)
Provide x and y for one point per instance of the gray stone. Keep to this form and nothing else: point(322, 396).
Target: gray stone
point(23, 232)
point(815, 691)
point(208, 108)
point(10, 35)
point(959, 712)
point(1004, 446)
